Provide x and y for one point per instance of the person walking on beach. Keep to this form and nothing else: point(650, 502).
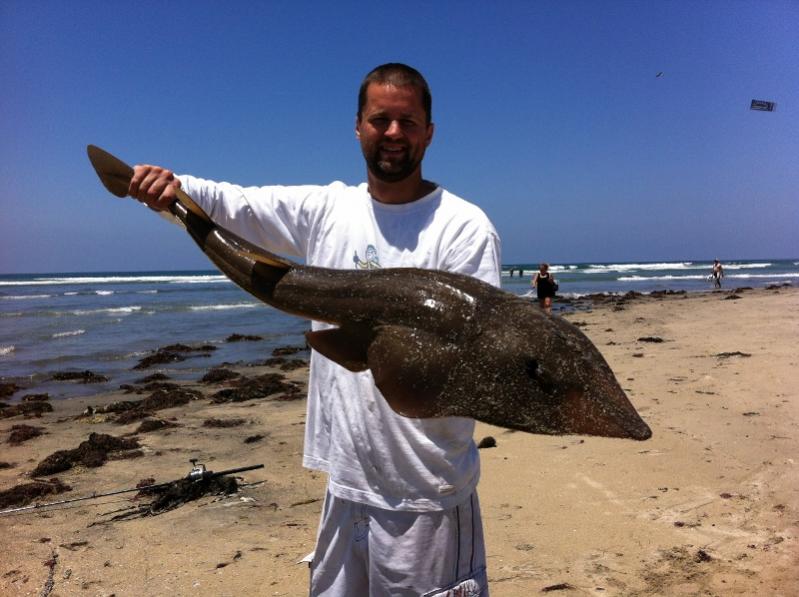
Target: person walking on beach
point(545, 287)
point(401, 513)
point(717, 273)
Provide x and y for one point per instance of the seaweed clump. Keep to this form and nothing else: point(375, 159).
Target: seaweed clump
point(27, 409)
point(148, 425)
point(22, 433)
point(172, 354)
point(79, 376)
point(223, 423)
point(24, 494)
point(91, 453)
point(172, 495)
point(218, 375)
point(254, 388)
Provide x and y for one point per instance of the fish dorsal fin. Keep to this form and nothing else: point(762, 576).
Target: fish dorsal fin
point(411, 368)
point(346, 346)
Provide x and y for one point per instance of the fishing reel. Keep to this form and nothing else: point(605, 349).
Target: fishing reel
point(198, 471)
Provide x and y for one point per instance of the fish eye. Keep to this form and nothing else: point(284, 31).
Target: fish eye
point(531, 366)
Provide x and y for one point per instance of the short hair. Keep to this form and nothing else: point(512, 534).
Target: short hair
point(399, 75)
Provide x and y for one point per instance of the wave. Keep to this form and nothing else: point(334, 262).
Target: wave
point(103, 292)
point(701, 277)
point(224, 307)
point(110, 310)
point(176, 279)
point(599, 268)
point(67, 334)
point(22, 297)
point(6, 350)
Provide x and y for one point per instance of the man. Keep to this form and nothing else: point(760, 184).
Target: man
point(401, 515)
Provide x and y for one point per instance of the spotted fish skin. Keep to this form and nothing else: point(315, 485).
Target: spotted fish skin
point(437, 343)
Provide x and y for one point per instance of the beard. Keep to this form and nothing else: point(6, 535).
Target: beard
point(393, 169)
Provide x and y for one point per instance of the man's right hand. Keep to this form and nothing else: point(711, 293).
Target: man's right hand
point(154, 186)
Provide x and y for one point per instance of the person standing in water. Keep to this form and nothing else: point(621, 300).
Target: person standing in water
point(717, 274)
point(544, 284)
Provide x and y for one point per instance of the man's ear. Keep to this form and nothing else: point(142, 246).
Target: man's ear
point(357, 128)
point(430, 130)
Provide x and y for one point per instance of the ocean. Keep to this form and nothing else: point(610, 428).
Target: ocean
point(106, 322)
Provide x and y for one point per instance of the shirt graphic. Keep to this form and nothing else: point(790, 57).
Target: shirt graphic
point(371, 262)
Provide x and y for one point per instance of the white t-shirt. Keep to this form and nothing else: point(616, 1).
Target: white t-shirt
point(372, 455)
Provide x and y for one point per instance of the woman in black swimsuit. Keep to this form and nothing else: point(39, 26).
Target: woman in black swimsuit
point(544, 284)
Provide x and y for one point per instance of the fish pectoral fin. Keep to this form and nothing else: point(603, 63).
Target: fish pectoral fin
point(263, 257)
point(252, 251)
point(411, 368)
point(346, 346)
point(191, 205)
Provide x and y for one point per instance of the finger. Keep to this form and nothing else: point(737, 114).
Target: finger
point(139, 172)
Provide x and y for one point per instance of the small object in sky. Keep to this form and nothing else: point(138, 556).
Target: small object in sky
point(660, 74)
point(763, 105)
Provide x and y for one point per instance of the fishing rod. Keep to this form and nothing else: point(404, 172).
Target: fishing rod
point(198, 473)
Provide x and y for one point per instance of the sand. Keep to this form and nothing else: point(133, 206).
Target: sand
point(708, 506)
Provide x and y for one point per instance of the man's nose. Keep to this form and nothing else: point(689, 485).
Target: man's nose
point(394, 129)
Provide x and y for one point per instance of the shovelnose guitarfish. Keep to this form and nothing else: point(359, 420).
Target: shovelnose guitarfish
point(437, 343)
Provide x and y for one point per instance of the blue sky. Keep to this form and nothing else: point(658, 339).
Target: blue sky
point(549, 115)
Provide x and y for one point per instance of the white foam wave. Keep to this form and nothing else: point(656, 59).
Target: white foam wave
point(103, 292)
point(728, 266)
point(72, 293)
point(223, 307)
point(147, 292)
point(22, 297)
point(627, 267)
point(702, 277)
point(6, 350)
point(649, 278)
point(110, 311)
point(198, 279)
point(70, 333)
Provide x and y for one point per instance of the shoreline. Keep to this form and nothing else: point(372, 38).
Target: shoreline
point(709, 506)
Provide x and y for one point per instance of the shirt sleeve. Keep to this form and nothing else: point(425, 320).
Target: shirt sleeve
point(476, 252)
point(278, 218)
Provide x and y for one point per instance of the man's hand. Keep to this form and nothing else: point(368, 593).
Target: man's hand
point(154, 186)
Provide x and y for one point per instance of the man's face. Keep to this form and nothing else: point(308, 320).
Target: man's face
point(393, 131)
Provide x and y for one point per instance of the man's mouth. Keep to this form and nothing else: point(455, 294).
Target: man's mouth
point(392, 150)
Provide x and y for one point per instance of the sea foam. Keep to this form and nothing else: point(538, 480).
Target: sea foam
point(69, 333)
point(22, 297)
point(223, 307)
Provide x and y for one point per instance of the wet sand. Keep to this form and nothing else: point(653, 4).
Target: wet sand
point(708, 506)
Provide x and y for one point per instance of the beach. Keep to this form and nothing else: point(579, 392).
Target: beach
point(708, 506)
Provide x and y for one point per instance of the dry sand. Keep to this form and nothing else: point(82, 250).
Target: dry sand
point(708, 506)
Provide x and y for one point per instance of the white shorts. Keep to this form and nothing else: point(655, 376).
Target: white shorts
point(366, 551)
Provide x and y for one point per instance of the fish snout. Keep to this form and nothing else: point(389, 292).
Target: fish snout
point(606, 413)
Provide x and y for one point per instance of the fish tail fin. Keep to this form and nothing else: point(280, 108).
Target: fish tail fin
point(113, 172)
